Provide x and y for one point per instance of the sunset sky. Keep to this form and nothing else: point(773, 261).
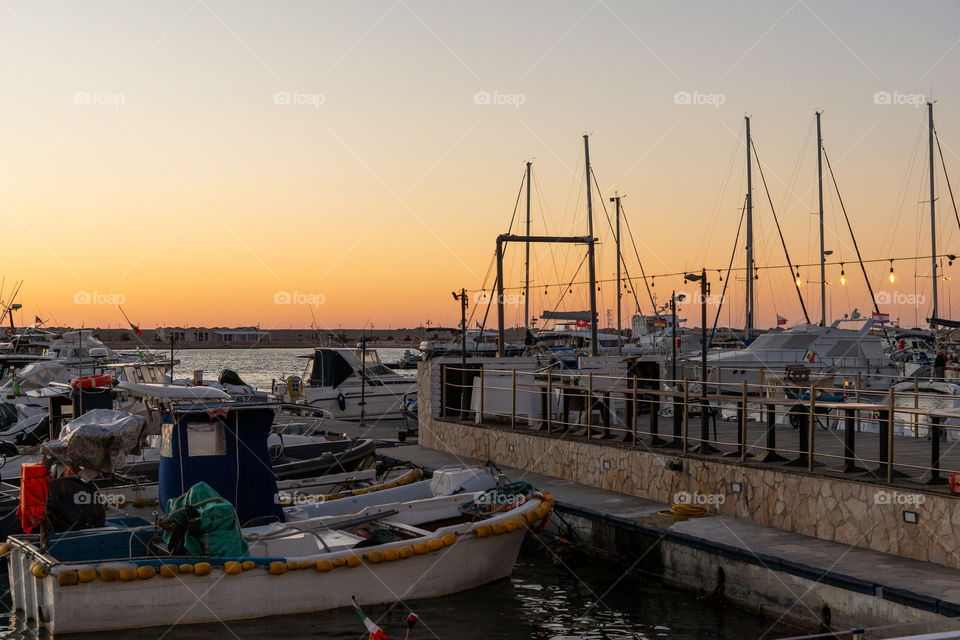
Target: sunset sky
point(238, 163)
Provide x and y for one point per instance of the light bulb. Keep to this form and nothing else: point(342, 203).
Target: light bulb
point(843, 279)
point(893, 276)
point(799, 282)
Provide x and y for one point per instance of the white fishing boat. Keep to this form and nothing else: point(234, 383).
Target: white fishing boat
point(349, 383)
point(131, 573)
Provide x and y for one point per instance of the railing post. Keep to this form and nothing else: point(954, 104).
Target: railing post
point(810, 427)
point(858, 400)
point(743, 423)
point(890, 437)
point(513, 399)
point(549, 400)
point(916, 405)
point(589, 404)
point(443, 391)
point(686, 409)
point(480, 411)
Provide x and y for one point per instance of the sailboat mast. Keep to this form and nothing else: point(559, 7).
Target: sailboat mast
point(591, 252)
point(616, 198)
point(748, 324)
point(823, 266)
point(933, 216)
point(526, 290)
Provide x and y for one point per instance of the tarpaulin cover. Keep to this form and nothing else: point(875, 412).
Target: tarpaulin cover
point(99, 440)
point(34, 487)
point(219, 530)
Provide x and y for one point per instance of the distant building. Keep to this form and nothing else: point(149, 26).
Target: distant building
point(200, 335)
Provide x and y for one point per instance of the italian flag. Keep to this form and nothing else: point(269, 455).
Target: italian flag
point(376, 633)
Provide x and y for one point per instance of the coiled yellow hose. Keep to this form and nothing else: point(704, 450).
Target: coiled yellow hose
point(682, 510)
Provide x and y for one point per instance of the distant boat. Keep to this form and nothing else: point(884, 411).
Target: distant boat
point(346, 382)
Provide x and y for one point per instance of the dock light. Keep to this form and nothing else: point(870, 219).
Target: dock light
point(893, 276)
point(843, 276)
point(799, 281)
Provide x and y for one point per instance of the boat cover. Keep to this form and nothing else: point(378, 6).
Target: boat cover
point(201, 523)
point(99, 440)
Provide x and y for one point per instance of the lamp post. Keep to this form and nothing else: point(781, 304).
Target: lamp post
point(677, 442)
point(462, 297)
point(704, 447)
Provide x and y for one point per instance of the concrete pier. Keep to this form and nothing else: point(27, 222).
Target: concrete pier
point(783, 575)
point(800, 540)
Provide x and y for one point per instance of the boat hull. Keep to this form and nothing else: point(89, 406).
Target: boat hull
point(216, 597)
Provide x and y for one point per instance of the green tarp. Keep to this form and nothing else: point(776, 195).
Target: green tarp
point(220, 537)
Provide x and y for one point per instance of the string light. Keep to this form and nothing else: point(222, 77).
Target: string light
point(799, 282)
point(893, 276)
point(843, 276)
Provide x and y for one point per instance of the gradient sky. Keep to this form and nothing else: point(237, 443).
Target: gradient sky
point(145, 155)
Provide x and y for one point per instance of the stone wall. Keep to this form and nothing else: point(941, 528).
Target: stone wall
point(838, 509)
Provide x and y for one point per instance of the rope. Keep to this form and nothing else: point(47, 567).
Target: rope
point(683, 510)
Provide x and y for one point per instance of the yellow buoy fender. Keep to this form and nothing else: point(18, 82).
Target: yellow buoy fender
point(127, 575)
point(420, 548)
point(339, 562)
point(435, 544)
point(323, 565)
point(248, 564)
point(186, 568)
point(5, 548)
point(86, 575)
point(38, 570)
point(201, 568)
point(354, 561)
point(375, 557)
point(483, 531)
point(510, 526)
point(108, 574)
point(497, 528)
point(406, 552)
point(449, 539)
point(277, 568)
point(168, 570)
point(391, 554)
point(232, 568)
point(67, 577)
point(146, 572)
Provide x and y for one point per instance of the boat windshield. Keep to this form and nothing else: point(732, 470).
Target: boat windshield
point(792, 341)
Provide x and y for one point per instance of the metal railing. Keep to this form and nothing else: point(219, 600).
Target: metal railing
point(908, 435)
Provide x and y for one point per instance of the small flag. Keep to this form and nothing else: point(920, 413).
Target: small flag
point(376, 633)
point(781, 320)
point(881, 318)
point(477, 322)
point(37, 320)
point(581, 323)
point(809, 356)
point(136, 329)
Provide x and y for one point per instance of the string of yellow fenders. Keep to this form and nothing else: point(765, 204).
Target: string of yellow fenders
point(685, 510)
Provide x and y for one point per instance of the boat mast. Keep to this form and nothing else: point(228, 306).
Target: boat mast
point(748, 323)
point(823, 266)
point(526, 290)
point(591, 252)
point(616, 199)
point(933, 217)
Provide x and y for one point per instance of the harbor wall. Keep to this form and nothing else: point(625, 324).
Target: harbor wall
point(843, 510)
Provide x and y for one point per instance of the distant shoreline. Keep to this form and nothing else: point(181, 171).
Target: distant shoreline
point(306, 345)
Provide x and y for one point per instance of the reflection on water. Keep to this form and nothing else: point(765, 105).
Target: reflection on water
point(542, 601)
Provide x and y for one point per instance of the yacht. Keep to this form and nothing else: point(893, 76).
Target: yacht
point(828, 352)
point(344, 381)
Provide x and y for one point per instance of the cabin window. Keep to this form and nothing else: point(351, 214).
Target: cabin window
point(166, 440)
point(206, 439)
